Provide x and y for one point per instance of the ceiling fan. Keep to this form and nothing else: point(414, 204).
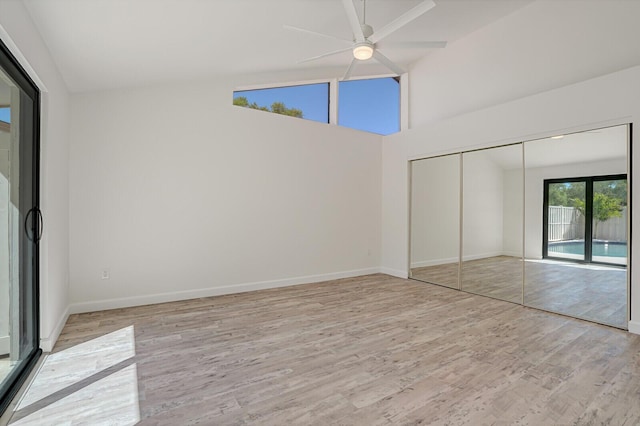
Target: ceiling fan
point(366, 41)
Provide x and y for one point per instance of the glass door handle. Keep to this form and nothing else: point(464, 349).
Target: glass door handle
point(36, 228)
point(26, 222)
point(40, 225)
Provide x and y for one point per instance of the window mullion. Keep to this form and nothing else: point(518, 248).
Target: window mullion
point(588, 226)
point(333, 101)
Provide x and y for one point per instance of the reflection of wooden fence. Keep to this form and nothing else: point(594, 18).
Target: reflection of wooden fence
point(566, 223)
point(614, 229)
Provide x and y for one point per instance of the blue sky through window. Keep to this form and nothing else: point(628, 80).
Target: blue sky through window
point(5, 115)
point(372, 105)
point(312, 99)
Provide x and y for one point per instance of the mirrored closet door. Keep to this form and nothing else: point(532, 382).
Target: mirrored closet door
point(492, 222)
point(576, 216)
point(435, 220)
point(543, 223)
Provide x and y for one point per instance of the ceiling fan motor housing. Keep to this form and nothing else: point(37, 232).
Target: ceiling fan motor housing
point(367, 30)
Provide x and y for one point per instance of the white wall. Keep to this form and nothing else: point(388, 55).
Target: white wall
point(534, 185)
point(18, 33)
point(180, 194)
point(395, 206)
point(545, 45)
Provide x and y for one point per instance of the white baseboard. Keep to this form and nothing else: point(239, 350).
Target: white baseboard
point(4, 345)
point(47, 343)
point(394, 272)
point(634, 327)
point(125, 302)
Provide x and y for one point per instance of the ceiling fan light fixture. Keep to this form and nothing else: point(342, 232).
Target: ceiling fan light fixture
point(363, 51)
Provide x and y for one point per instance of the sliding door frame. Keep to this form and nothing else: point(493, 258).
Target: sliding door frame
point(588, 217)
point(31, 221)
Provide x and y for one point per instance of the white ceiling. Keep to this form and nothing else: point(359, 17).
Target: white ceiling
point(105, 44)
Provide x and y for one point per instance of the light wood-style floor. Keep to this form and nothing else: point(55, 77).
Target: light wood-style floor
point(373, 350)
point(594, 292)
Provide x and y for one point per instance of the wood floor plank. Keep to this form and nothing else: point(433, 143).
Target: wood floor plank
point(373, 350)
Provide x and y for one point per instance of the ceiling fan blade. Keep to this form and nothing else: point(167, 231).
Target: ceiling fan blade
point(413, 44)
point(354, 21)
point(387, 62)
point(302, 30)
point(335, 52)
point(347, 75)
point(401, 21)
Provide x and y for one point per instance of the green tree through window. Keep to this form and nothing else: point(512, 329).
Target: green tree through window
point(276, 107)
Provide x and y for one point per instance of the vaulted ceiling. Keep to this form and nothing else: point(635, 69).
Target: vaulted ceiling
point(105, 44)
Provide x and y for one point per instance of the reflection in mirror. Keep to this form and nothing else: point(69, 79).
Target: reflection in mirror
point(435, 220)
point(492, 222)
point(576, 225)
point(565, 223)
point(609, 220)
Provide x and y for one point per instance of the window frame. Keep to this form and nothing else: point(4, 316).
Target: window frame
point(334, 94)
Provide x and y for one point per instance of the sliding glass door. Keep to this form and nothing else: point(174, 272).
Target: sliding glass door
point(585, 219)
point(20, 225)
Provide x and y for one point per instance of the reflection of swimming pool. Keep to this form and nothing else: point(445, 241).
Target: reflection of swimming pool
point(600, 248)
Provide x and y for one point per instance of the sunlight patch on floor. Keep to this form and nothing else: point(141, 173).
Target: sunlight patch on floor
point(112, 400)
point(74, 364)
point(90, 383)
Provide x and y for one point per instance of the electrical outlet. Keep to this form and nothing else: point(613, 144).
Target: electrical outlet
point(105, 274)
